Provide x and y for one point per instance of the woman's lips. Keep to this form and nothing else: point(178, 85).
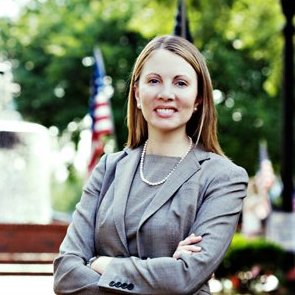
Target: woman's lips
point(165, 112)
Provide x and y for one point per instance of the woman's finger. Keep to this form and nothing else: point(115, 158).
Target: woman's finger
point(188, 249)
point(192, 239)
point(178, 253)
point(188, 246)
point(191, 248)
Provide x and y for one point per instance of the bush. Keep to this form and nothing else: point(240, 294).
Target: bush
point(255, 266)
point(244, 253)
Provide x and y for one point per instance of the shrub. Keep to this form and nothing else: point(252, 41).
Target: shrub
point(244, 253)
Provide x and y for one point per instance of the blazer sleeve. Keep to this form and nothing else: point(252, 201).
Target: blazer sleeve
point(71, 275)
point(216, 222)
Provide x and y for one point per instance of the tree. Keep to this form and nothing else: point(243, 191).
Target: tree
point(242, 43)
point(48, 44)
point(241, 40)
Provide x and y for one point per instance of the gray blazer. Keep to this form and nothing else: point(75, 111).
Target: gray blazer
point(203, 196)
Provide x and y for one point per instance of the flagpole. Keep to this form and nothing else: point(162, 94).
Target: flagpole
point(183, 19)
point(181, 27)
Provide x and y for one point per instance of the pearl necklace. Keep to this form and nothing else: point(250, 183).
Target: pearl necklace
point(164, 179)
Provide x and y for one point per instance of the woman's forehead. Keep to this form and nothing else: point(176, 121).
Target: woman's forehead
point(163, 60)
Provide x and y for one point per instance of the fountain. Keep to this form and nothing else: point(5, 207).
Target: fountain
point(25, 173)
point(30, 236)
point(24, 161)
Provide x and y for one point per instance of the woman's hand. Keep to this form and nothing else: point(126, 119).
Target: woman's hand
point(187, 246)
point(101, 263)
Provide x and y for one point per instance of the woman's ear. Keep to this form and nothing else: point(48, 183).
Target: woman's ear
point(136, 95)
point(198, 101)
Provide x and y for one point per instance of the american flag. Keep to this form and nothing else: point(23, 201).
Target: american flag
point(265, 175)
point(100, 109)
point(264, 180)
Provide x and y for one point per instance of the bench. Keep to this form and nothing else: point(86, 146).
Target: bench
point(29, 249)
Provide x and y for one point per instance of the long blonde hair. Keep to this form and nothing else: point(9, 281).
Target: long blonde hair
point(202, 126)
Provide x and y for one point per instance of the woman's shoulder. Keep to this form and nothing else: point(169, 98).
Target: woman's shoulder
point(219, 164)
point(114, 157)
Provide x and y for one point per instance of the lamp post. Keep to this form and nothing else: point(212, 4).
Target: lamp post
point(280, 225)
point(288, 8)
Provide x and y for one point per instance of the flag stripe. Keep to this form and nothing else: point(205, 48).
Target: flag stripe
point(100, 111)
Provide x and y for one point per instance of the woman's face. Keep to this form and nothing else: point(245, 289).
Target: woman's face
point(166, 92)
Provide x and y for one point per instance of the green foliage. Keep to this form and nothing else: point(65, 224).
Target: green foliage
point(249, 262)
point(244, 253)
point(241, 40)
point(48, 44)
point(66, 195)
point(238, 45)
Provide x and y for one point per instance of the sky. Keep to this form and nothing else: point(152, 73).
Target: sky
point(10, 8)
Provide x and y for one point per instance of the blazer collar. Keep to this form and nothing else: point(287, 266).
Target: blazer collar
point(124, 175)
point(189, 166)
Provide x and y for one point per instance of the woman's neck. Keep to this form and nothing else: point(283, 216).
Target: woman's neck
point(168, 145)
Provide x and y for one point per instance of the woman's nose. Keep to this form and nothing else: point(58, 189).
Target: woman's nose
point(166, 93)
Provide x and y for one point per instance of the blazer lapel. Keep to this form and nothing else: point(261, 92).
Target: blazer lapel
point(189, 166)
point(124, 175)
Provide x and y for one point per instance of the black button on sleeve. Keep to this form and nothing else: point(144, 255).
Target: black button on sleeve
point(124, 286)
point(130, 286)
point(118, 284)
point(112, 284)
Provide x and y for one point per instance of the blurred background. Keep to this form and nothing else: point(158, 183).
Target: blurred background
point(64, 72)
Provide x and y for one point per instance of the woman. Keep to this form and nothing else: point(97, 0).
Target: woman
point(148, 210)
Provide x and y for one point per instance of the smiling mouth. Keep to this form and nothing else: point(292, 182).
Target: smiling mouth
point(165, 111)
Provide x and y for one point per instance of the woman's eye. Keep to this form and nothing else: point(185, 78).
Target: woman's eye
point(153, 81)
point(181, 83)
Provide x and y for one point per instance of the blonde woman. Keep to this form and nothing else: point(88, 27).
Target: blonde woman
point(157, 217)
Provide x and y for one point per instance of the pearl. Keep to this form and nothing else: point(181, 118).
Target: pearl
point(164, 179)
